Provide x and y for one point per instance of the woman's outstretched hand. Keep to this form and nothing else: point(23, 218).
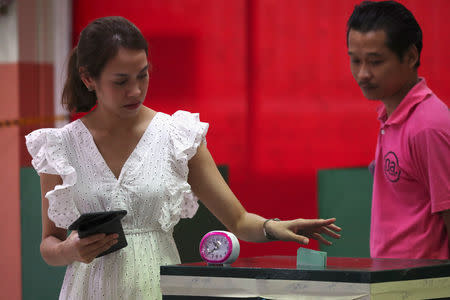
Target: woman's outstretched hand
point(301, 230)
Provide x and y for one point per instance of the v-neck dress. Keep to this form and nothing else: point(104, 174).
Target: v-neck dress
point(152, 188)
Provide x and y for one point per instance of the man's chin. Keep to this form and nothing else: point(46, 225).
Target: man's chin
point(371, 96)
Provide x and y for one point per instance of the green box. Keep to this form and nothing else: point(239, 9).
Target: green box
point(311, 259)
point(347, 195)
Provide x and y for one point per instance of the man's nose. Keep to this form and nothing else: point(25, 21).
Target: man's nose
point(364, 72)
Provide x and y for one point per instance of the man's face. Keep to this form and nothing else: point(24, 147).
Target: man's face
point(378, 71)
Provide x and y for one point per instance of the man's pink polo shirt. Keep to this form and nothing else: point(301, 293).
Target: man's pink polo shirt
point(412, 178)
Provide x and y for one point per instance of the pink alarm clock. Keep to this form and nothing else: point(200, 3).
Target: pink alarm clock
point(219, 247)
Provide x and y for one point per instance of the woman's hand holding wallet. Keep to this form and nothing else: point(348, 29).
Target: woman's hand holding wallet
point(86, 249)
point(96, 234)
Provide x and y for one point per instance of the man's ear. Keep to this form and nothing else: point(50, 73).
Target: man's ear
point(88, 81)
point(412, 56)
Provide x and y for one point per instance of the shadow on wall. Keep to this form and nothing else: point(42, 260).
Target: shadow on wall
point(174, 73)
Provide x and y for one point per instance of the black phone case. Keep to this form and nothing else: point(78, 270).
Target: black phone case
point(107, 222)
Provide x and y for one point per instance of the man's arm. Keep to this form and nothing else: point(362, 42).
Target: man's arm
point(430, 149)
point(446, 216)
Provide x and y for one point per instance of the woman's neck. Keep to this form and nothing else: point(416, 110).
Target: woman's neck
point(102, 120)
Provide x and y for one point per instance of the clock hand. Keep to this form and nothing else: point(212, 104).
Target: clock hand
point(213, 249)
point(216, 244)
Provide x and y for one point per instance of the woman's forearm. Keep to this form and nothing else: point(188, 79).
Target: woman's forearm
point(249, 228)
point(54, 252)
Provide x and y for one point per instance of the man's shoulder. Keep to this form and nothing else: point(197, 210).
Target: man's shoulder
point(431, 113)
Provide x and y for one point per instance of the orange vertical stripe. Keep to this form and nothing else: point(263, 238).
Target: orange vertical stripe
point(36, 100)
point(10, 260)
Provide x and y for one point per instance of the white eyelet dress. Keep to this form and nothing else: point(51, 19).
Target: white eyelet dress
point(152, 188)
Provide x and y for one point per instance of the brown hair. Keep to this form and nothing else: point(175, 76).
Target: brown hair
point(99, 42)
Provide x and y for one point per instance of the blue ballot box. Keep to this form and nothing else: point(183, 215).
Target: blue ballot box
point(277, 277)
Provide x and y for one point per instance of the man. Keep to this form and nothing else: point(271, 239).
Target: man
point(411, 198)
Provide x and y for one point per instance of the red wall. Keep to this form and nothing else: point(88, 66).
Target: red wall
point(272, 78)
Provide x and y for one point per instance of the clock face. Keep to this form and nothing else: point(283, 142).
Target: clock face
point(216, 247)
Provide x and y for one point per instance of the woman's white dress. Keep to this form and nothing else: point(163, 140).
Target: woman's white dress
point(152, 188)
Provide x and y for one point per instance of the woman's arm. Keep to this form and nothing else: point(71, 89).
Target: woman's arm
point(58, 249)
point(207, 183)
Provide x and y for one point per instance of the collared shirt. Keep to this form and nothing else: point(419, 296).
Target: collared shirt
point(412, 178)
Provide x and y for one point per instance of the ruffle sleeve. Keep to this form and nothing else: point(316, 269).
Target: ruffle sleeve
point(186, 133)
point(49, 156)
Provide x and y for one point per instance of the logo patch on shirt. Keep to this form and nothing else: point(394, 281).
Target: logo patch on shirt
point(391, 167)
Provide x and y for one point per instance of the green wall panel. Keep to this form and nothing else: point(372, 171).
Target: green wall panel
point(346, 194)
point(189, 232)
point(39, 280)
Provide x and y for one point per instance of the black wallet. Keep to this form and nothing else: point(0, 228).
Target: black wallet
point(107, 222)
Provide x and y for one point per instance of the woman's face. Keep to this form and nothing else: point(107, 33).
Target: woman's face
point(122, 85)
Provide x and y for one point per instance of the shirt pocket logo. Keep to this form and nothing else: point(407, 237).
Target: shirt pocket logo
point(391, 167)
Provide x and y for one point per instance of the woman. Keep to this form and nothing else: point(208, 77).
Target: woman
point(123, 155)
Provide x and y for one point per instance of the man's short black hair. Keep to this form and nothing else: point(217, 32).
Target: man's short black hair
point(401, 28)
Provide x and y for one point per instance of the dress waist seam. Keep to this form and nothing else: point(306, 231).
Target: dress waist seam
point(141, 231)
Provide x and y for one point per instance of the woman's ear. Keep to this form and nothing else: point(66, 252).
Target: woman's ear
point(88, 81)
